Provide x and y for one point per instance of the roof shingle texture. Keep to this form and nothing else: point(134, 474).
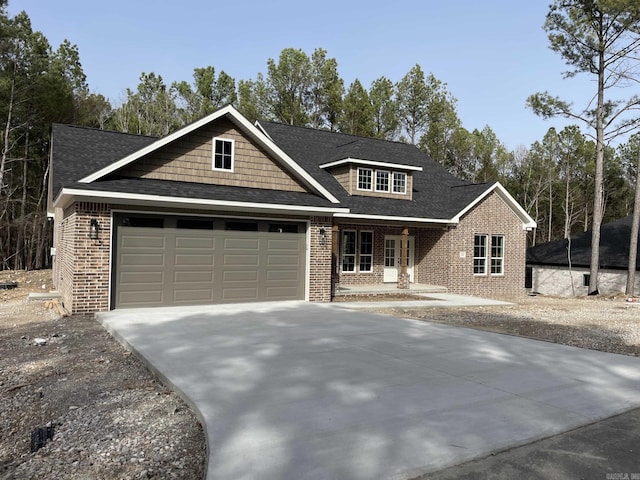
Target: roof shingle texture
point(614, 248)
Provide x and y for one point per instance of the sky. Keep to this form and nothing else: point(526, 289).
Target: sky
point(492, 54)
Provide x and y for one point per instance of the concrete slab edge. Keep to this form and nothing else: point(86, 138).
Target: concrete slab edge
point(162, 378)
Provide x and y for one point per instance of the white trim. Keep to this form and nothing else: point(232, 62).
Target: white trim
point(359, 216)
point(486, 257)
point(213, 154)
point(244, 124)
point(372, 163)
point(491, 257)
point(106, 196)
point(527, 222)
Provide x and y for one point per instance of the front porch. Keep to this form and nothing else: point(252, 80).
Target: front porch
point(387, 289)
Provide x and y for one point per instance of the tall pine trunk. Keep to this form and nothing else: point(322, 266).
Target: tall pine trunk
point(633, 240)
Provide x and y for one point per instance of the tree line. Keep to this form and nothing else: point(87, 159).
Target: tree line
point(555, 178)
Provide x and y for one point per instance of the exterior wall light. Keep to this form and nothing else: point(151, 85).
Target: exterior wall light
point(94, 229)
point(323, 236)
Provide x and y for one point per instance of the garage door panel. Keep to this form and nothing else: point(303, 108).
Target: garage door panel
point(191, 259)
point(142, 260)
point(206, 243)
point(193, 295)
point(283, 293)
point(135, 278)
point(193, 276)
point(142, 241)
point(282, 260)
point(140, 298)
point(283, 275)
point(291, 245)
point(240, 276)
point(244, 294)
point(241, 243)
point(241, 260)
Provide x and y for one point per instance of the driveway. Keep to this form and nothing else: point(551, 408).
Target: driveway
point(295, 390)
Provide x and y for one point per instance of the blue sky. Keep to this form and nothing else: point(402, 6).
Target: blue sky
point(492, 54)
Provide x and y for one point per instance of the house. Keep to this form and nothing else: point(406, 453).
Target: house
point(224, 210)
point(550, 273)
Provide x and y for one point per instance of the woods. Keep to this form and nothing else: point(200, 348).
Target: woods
point(555, 179)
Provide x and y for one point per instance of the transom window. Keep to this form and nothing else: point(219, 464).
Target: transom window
point(365, 179)
point(399, 182)
point(382, 181)
point(223, 154)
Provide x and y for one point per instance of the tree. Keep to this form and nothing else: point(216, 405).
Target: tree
point(205, 96)
point(325, 91)
point(289, 81)
point(385, 109)
point(600, 38)
point(357, 116)
point(630, 153)
point(413, 96)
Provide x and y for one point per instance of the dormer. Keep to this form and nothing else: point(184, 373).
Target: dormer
point(374, 178)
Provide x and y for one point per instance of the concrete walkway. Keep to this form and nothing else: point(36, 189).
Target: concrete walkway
point(441, 300)
point(305, 391)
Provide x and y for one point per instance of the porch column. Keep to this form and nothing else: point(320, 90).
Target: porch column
point(403, 276)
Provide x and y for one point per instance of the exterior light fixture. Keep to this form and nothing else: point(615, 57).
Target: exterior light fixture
point(323, 236)
point(94, 229)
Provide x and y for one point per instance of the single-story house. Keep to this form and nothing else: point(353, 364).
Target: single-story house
point(224, 210)
point(549, 271)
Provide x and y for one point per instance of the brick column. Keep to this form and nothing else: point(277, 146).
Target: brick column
point(320, 272)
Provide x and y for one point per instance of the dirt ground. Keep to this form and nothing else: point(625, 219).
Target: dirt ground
point(113, 420)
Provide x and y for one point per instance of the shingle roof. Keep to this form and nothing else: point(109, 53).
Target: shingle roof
point(436, 193)
point(80, 151)
point(614, 248)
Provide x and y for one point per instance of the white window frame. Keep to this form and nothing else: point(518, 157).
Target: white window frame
point(344, 254)
point(388, 174)
point(498, 259)
point(213, 154)
point(370, 171)
point(478, 256)
point(404, 184)
point(361, 255)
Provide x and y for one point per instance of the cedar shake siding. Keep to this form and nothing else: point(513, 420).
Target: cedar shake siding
point(190, 160)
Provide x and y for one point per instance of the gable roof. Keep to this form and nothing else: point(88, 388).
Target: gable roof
point(614, 248)
point(243, 124)
point(438, 196)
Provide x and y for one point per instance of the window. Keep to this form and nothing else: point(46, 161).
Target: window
point(497, 254)
point(349, 251)
point(283, 228)
point(194, 224)
point(480, 255)
point(366, 251)
point(222, 154)
point(241, 226)
point(143, 222)
point(399, 182)
point(586, 279)
point(365, 177)
point(382, 181)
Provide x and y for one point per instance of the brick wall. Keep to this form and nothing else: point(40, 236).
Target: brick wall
point(81, 274)
point(320, 267)
point(433, 251)
point(491, 217)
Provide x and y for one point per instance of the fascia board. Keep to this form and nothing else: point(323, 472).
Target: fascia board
point(371, 163)
point(391, 218)
point(68, 195)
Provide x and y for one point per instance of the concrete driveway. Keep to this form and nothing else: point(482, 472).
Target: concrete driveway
point(306, 391)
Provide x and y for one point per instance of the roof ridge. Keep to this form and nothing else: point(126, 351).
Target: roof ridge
point(95, 129)
point(331, 132)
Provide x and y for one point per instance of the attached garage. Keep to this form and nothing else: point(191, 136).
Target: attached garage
point(172, 261)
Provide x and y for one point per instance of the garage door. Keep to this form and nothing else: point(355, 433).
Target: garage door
point(163, 261)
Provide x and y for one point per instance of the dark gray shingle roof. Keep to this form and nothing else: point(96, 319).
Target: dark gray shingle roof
point(436, 193)
point(614, 248)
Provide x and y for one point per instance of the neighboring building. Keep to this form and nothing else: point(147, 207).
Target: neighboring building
point(227, 211)
point(548, 263)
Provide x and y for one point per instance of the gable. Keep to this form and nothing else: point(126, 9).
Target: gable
point(189, 159)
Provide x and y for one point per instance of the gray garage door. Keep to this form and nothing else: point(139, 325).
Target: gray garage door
point(190, 261)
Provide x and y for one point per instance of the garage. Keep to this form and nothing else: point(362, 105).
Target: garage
point(172, 261)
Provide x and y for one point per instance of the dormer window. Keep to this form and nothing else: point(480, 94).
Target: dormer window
point(223, 154)
point(382, 181)
point(399, 182)
point(365, 179)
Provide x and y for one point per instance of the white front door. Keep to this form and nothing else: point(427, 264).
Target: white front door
point(392, 253)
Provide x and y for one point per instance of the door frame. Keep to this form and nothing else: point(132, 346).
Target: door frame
point(390, 274)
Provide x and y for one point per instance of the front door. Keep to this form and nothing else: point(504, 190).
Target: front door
point(392, 253)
